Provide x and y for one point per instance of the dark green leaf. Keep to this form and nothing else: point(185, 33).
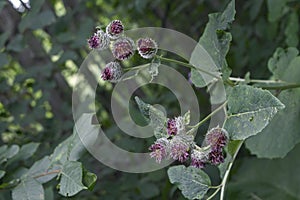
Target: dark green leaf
point(148, 190)
point(283, 133)
point(28, 189)
point(17, 44)
point(276, 9)
point(193, 182)
point(266, 179)
point(249, 111)
point(71, 179)
point(89, 179)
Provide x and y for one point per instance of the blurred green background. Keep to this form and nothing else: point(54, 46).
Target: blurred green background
point(43, 46)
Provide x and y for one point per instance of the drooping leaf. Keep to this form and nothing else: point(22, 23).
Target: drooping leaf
point(266, 179)
point(89, 179)
point(193, 182)
point(156, 117)
point(250, 111)
point(28, 189)
point(283, 133)
point(215, 41)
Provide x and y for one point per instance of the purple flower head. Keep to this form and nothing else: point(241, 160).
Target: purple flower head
point(146, 47)
point(179, 149)
point(217, 138)
point(115, 29)
point(199, 157)
point(99, 40)
point(112, 72)
point(159, 149)
point(216, 156)
point(175, 126)
point(123, 48)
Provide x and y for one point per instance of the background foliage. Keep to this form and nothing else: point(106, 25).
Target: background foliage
point(42, 48)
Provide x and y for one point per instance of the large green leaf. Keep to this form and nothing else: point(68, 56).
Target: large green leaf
point(292, 30)
point(28, 189)
point(216, 41)
point(267, 179)
point(193, 182)
point(283, 133)
point(250, 111)
point(71, 179)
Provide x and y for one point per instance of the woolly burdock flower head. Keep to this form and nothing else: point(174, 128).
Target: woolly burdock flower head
point(175, 126)
point(216, 156)
point(159, 149)
point(99, 40)
point(179, 148)
point(199, 157)
point(217, 138)
point(115, 29)
point(146, 47)
point(123, 48)
point(112, 72)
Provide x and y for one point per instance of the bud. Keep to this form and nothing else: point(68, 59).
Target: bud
point(123, 48)
point(115, 29)
point(112, 72)
point(179, 149)
point(175, 126)
point(146, 47)
point(159, 149)
point(99, 40)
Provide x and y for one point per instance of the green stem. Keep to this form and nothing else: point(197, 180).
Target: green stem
point(226, 175)
point(209, 116)
point(214, 194)
point(187, 65)
point(283, 87)
point(255, 80)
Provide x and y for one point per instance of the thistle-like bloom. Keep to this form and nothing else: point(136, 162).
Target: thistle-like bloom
point(123, 48)
point(216, 156)
point(99, 40)
point(217, 138)
point(175, 126)
point(199, 158)
point(159, 149)
point(146, 47)
point(112, 72)
point(179, 149)
point(115, 29)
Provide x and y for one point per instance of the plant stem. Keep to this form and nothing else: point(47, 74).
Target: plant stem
point(47, 173)
point(275, 87)
point(188, 65)
point(209, 116)
point(228, 171)
point(214, 194)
